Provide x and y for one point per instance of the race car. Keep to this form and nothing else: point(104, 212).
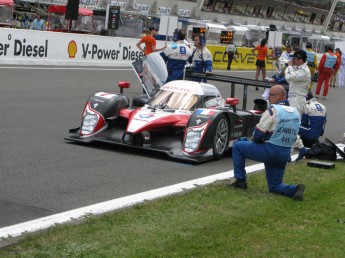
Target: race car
point(187, 120)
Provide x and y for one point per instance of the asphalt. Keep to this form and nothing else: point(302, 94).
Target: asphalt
point(42, 174)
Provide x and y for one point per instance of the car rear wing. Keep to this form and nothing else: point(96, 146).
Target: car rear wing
point(233, 81)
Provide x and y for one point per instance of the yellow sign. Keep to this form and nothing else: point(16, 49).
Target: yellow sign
point(245, 60)
point(226, 37)
point(198, 30)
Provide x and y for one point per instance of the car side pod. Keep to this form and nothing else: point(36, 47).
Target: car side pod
point(233, 102)
point(122, 85)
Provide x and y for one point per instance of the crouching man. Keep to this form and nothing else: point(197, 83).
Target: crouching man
point(273, 139)
point(313, 122)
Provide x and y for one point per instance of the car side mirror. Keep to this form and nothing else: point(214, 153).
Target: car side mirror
point(233, 102)
point(123, 84)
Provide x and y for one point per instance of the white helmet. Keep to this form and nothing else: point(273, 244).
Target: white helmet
point(281, 64)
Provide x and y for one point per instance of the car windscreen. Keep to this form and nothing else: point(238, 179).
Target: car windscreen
point(174, 100)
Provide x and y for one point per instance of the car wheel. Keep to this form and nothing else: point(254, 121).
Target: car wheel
point(221, 136)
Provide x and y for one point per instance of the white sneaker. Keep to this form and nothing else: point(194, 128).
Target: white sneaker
point(324, 97)
point(316, 96)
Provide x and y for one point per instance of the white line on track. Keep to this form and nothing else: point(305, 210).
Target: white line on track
point(49, 221)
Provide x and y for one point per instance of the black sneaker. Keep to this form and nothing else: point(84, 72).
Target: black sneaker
point(238, 184)
point(299, 194)
point(257, 88)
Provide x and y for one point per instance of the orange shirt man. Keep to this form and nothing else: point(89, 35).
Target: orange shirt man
point(262, 52)
point(260, 59)
point(150, 42)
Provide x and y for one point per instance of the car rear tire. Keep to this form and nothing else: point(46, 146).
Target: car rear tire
point(221, 136)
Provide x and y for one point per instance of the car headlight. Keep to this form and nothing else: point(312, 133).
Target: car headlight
point(193, 138)
point(89, 123)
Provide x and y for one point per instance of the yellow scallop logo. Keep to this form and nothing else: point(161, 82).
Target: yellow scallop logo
point(72, 49)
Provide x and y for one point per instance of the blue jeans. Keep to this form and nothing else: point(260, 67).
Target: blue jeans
point(175, 74)
point(275, 159)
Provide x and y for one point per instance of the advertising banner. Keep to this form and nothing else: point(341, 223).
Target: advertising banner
point(29, 47)
point(57, 48)
point(244, 61)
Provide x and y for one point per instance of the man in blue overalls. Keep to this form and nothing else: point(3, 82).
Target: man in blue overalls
point(273, 139)
point(313, 122)
point(176, 56)
point(201, 58)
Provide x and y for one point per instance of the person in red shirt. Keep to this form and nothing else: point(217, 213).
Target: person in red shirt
point(260, 59)
point(150, 42)
point(328, 64)
point(334, 74)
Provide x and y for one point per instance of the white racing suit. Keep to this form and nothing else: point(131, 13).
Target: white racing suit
point(176, 56)
point(299, 79)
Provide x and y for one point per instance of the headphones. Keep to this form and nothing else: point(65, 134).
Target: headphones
point(175, 37)
point(179, 35)
point(202, 41)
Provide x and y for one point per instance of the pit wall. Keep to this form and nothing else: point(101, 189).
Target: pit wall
point(28, 47)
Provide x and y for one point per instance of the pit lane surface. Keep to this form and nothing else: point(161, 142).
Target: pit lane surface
point(41, 174)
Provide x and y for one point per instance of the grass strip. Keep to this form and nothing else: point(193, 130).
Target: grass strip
point(211, 221)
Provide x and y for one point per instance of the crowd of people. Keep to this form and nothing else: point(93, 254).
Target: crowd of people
point(178, 54)
point(295, 119)
point(29, 22)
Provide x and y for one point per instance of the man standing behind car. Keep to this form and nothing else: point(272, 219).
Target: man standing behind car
point(201, 58)
point(273, 139)
point(176, 56)
point(329, 63)
point(311, 62)
point(231, 50)
point(297, 74)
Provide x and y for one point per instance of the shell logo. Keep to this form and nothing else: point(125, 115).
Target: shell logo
point(72, 49)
